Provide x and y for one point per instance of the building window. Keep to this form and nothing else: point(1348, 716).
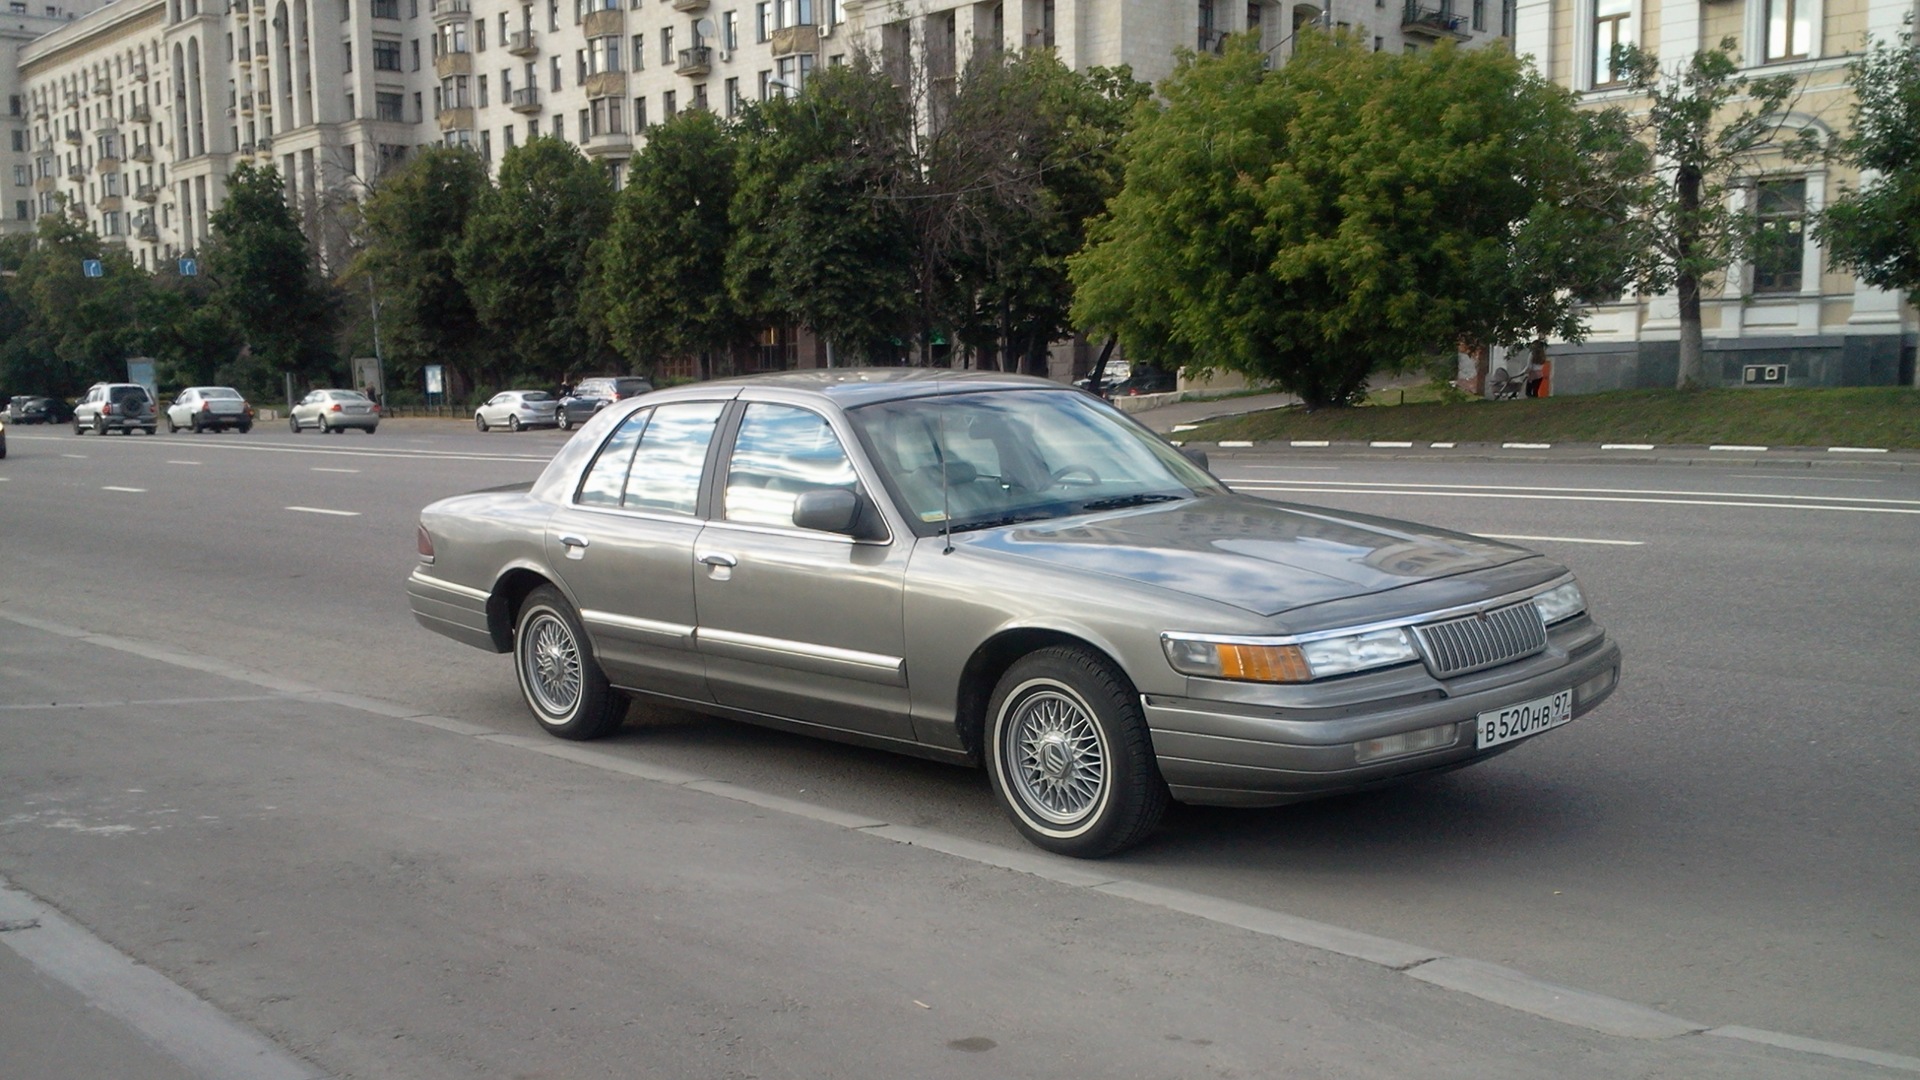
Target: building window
point(486, 145)
point(386, 9)
point(763, 20)
point(480, 91)
point(733, 97)
point(453, 39)
point(554, 68)
point(766, 84)
point(667, 107)
point(559, 126)
point(1612, 31)
point(416, 54)
point(1781, 242)
point(604, 55)
point(506, 137)
point(386, 55)
point(639, 115)
point(480, 35)
point(730, 31)
point(1479, 14)
point(607, 117)
point(639, 52)
point(666, 46)
point(1789, 29)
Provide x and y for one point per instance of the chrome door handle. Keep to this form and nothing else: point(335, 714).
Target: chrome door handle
point(718, 558)
point(572, 541)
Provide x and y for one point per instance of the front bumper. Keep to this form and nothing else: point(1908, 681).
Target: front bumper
point(1223, 753)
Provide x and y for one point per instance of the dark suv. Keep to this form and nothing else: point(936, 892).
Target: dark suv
point(118, 407)
point(592, 395)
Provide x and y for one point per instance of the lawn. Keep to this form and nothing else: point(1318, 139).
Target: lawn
point(1856, 416)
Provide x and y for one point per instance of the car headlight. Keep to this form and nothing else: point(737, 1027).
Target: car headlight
point(1251, 660)
point(1560, 602)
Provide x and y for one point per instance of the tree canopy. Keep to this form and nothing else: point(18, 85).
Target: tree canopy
point(264, 282)
point(1875, 230)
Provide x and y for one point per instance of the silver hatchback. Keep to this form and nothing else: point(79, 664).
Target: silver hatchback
point(1004, 571)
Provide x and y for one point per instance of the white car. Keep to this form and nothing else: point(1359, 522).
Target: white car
point(516, 409)
point(333, 411)
point(216, 408)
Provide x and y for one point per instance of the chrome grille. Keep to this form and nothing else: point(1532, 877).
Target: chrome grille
point(1458, 646)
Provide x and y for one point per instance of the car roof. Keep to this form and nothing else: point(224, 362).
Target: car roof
point(852, 387)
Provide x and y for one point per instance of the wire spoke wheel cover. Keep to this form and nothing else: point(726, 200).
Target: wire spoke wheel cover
point(1057, 754)
point(552, 664)
point(1069, 754)
point(559, 677)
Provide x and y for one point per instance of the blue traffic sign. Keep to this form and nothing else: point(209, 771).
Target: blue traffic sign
point(189, 267)
point(92, 267)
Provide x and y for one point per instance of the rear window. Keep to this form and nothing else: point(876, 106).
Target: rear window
point(536, 395)
point(219, 393)
point(634, 386)
point(127, 393)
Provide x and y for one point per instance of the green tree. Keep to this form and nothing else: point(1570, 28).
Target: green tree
point(74, 329)
point(1875, 230)
point(1049, 141)
point(1352, 212)
point(817, 240)
point(1707, 125)
point(523, 261)
point(263, 280)
point(659, 274)
point(411, 226)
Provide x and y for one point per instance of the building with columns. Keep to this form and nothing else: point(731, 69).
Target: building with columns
point(131, 116)
point(1792, 319)
point(22, 23)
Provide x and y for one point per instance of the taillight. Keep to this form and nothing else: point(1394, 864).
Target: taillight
point(423, 543)
point(206, 406)
point(336, 407)
point(108, 411)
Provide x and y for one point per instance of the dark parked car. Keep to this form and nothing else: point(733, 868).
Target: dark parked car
point(1144, 380)
point(35, 409)
point(998, 570)
point(591, 395)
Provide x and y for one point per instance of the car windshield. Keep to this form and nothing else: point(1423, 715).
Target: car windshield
point(977, 460)
point(219, 393)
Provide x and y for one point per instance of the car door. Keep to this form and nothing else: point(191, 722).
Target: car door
point(795, 623)
point(623, 547)
point(180, 413)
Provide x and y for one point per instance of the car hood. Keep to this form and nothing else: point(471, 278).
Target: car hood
point(1262, 556)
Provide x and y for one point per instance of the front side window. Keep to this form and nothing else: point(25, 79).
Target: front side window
point(782, 452)
point(1612, 31)
point(1782, 236)
point(1789, 29)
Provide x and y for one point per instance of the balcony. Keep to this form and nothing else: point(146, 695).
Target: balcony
point(73, 99)
point(140, 114)
point(108, 163)
point(260, 57)
point(240, 9)
point(606, 84)
point(245, 54)
point(148, 231)
point(246, 148)
point(263, 145)
point(525, 100)
point(147, 193)
point(76, 174)
point(789, 40)
point(689, 5)
point(608, 144)
point(44, 184)
point(1436, 23)
point(523, 43)
point(73, 136)
point(447, 11)
point(695, 62)
point(102, 87)
point(246, 104)
point(40, 111)
point(457, 118)
point(603, 23)
point(139, 73)
point(449, 64)
point(264, 102)
point(143, 153)
point(109, 203)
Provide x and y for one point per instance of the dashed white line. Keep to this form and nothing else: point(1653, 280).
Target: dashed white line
point(1564, 539)
point(1727, 502)
point(1392, 445)
point(1442, 446)
point(1186, 427)
point(82, 457)
point(1311, 442)
point(1236, 443)
point(1738, 449)
point(322, 468)
point(319, 510)
point(112, 487)
point(1588, 490)
point(1855, 450)
point(1526, 446)
point(183, 463)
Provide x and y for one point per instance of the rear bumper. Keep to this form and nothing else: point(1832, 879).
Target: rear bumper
point(348, 420)
point(1220, 754)
point(453, 610)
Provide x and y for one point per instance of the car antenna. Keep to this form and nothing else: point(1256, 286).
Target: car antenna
point(946, 507)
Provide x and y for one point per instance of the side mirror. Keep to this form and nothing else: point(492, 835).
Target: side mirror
point(833, 510)
point(1198, 457)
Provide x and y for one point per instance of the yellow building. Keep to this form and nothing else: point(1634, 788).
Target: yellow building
point(1795, 319)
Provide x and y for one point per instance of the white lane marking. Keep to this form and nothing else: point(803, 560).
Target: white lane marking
point(183, 463)
point(1626, 446)
point(323, 468)
point(1563, 539)
point(1391, 445)
point(1737, 449)
point(1489, 982)
point(112, 487)
point(82, 457)
point(1236, 443)
point(1526, 446)
point(318, 510)
point(1295, 468)
point(1599, 499)
point(1855, 450)
point(1311, 442)
point(1443, 446)
point(1594, 490)
point(1805, 479)
point(1186, 427)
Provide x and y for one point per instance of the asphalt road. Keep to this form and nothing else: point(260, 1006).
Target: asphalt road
point(1730, 839)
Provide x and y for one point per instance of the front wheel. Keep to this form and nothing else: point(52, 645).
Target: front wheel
point(559, 678)
point(565, 421)
point(293, 422)
point(99, 424)
point(1069, 755)
point(77, 429)
point(172, 428)
point(513, 422)
point(479, 422)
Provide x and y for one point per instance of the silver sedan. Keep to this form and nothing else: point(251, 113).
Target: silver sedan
point(334, 411)
point(1003, 571)
point(210, 408)
point(516, 409)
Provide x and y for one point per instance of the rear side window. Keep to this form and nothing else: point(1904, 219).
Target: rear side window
point(606, 479)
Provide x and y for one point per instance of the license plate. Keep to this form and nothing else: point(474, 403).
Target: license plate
point(1498, 726)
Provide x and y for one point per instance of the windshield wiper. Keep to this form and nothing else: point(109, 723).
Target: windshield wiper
point(1120, 501)
point(994, 523)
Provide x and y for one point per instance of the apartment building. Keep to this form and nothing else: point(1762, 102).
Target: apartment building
point(1792, 319)
point(21, 24)
point(131, 116)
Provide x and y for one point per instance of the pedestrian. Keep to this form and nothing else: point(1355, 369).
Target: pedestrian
point(1536, 374)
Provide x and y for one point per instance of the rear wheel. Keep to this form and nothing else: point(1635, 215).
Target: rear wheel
point(99, 424)
point(1069, 755)
point(244, 428)
point(559, 678)
point(513, 422)
point(196, 424)
point(370, 430)
point(565, 421)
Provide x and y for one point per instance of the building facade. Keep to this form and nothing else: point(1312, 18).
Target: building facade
point(131, 116)
point(22, 24)
point(1792, 319)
